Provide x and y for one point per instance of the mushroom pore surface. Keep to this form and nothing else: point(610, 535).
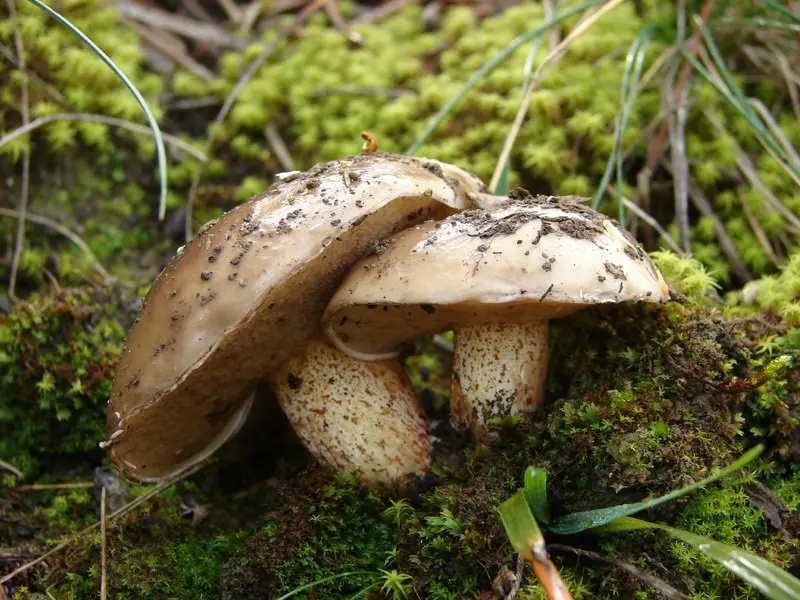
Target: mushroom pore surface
point(500, 274)
point(248, 293)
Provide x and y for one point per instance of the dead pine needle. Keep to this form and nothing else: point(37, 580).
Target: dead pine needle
point(103, 565)
point(551, 58)
point(46, 487)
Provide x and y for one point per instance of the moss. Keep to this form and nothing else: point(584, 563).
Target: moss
point(58, 353)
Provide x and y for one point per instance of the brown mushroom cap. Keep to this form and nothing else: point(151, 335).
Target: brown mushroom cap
point(248, 293)
point(522, 259)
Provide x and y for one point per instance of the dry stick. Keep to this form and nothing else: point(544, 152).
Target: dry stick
point(725, 243)
point(119, 512)
point(122, 124)
point(662, 586)
point(103, 575)
point(67, 233)
point(163, 42)
point(381, 11)
point(19, 240)
point(553, 34)
point(644, 216)
point(748, 169)
point(41, 487)
point(657, 145)
point(278, 147)
point(249, 73)
point(546, 571)
point(232, 10)
point(332, 10)
point(11, 469)
point(552, 57)
point(33, 77)
point(702, 203)
point(790, 84)
point(191, 28)
point(680, 168)
point(776, 130)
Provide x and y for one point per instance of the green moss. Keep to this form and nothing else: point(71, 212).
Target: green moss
point(57, 353)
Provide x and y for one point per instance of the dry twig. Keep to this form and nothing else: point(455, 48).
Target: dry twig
point(551, 58)
point(117, 513)
point(19, 240)
point(172, 140)
point(66, 232)
point(659, 584)
point(191, 28)
point(278, 147)
point(44, 487)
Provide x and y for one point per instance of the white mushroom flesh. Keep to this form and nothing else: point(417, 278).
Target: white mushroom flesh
point(357, 416)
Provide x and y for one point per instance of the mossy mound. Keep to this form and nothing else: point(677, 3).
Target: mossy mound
point(57, 354)
point(641, 401)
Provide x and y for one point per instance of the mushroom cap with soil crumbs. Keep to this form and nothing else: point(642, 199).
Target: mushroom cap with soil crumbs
point(248, 292)
point(522, 259)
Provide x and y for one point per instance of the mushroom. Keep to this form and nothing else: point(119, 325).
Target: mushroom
point(242, 302)
point(496, 276)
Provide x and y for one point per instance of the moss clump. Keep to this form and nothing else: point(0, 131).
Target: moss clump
point(58, 353)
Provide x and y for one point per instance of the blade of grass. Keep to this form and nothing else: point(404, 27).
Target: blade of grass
point(502, 184)
point(581, 521)
point(783, 10)
point(535, 490)
point(551, 58)
point(634, 63)
point(160, 151)
point(740, 101)
point(770, 580)
point(490, 66)
point(307, 586)
point(526, 538)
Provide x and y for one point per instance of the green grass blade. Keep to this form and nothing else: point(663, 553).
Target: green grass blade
point(535, 490)
point(307, 586)
point(581, 521)
point(783, 10)
point(759, 129)
point(634, 64)
point(489, 66)
point(160, 150)
point(522, 530)
point(770, 580)
point(740, 102)
point(502, 183)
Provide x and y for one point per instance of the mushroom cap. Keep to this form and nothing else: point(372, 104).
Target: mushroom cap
point(248, 292)
point(521, 259)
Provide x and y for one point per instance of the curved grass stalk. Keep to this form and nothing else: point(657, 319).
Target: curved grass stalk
point(160, 151)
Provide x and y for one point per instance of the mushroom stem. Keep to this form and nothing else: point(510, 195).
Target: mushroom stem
point(499, 369)
point(357, 416)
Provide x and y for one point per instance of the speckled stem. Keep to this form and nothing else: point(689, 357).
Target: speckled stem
point(498, 370)
point(357, 416)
